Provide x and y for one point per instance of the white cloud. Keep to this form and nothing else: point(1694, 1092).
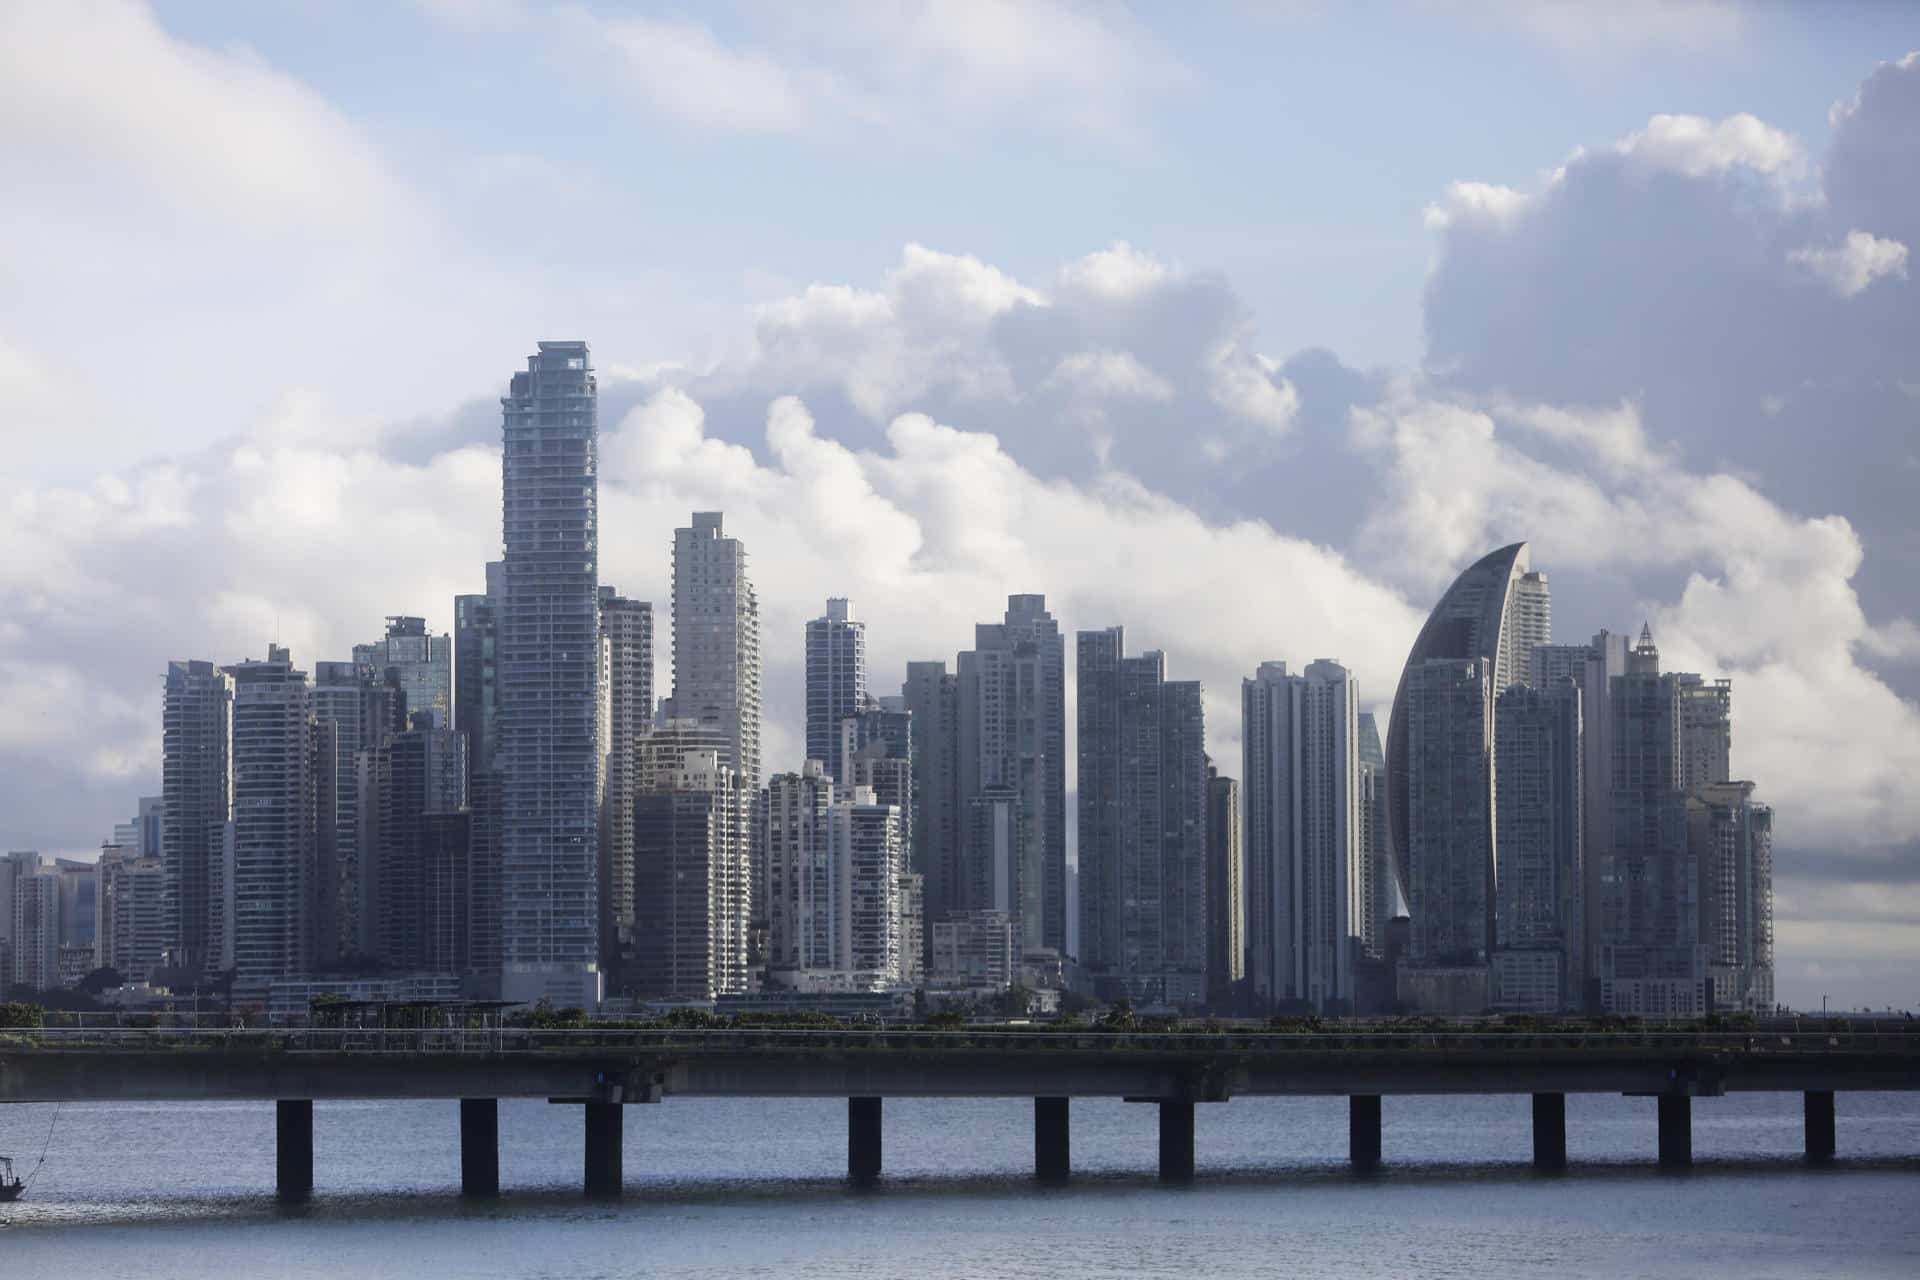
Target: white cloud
point(1696, 147)
point(1858, 262)
point(1249, 386)
point(1591, 28)
point(1486, 203)
point(1108, 373)
point(682, 70)
point(1118, 273)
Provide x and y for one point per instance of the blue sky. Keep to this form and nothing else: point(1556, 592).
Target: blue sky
point(1290, 146)
point(943, 302)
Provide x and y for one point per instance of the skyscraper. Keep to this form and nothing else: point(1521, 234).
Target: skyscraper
point(692, 889)
point(1226, 887)
point(548, 664)
point(1143, 825)
point(1012, 736)
point(273, 891)
point(1539, 857)
point(1650, 955)
point(626, 691)
point(1378, 892)
point(1529, 624)
point(418, 805)
point(801, 902)
point(1306, 848)
point(931, 696)
point(132, 912)
point(716, 640)
point(836, 681)
point(1475, 619)
point(195, 794)
point(414, 660)
point(1444, 718)
point(1731, 836)
point(476, 713)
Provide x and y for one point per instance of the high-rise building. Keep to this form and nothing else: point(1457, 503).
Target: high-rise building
point(692, 891)
point(476, 713)
point(626, 714)
point(1539, 858)
point(931, 698)
point(802, 913)
point(869, 859)
point(1143, 825)
point(352, 713)
point(196, 793)
point(716, 640)
point(876, 750)
point(1226, 887)
point(1650, 955)
point(33, 926)
point(418, 803)
point(1306, 847)
point(1706, 731)
point(836, 681)
point(415, 661)
point(1731, 836)
point(547, 657)
point(1012, 736)
point(1529, 624)
point(273, 888)
point(972, 950)
point(1483, 615)
point(1378, 889)
point(1592, 666)
point(1444, 719)
point(131, 924)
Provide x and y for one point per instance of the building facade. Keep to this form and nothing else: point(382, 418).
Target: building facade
point(836, 673)
point(626, 714)
point(1012, 738)
point(1306, 851)
point(271, 898)
point(1539, 861)
point(196, 792)
point(1226, 887)
point(547, 673)
point(1143, 825)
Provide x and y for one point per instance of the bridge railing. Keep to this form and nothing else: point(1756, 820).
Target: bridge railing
point(1182, 1044)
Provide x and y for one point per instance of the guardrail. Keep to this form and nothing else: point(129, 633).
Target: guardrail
point(1183, 1044)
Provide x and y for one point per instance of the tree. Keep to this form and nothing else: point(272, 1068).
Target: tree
point(105, 978)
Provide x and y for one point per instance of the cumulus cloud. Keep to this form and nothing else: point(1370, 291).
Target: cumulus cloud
point(1861, 259)
point(1673, 270)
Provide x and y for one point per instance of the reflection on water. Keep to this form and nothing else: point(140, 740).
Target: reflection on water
point(732, 1188)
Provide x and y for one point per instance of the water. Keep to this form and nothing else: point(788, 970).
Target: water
point(756, 1188)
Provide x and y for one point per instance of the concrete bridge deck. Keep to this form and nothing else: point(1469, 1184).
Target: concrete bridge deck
point(606, 1068)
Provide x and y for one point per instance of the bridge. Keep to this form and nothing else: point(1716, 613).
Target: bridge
point(603, 1069)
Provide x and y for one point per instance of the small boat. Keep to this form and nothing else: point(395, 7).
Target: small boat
point(10, 1184)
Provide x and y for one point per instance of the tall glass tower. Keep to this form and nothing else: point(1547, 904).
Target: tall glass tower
point(548, 674)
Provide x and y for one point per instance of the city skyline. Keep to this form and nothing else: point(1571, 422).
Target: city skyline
point(1312, 503)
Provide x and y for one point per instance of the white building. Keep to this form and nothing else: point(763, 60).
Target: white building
point(1308, 873)
point(131, 927)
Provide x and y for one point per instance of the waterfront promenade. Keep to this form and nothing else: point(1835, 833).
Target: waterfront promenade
point(603, 1069)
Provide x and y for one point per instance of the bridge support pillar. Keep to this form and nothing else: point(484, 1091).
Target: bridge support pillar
point(293, 1150)
point(1549, 1130)
point(1052, 1158)
point(863, 1140)
point(479, 1147)
point(1676, 1131)
point(1820, 1144)
point(1363, 1131)
point(1176, 1140)
point(604, 1173)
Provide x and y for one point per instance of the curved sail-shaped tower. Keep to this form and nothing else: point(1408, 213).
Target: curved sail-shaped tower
point(1474, 619)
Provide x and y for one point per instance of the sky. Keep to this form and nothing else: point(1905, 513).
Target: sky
point(1245, 326)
